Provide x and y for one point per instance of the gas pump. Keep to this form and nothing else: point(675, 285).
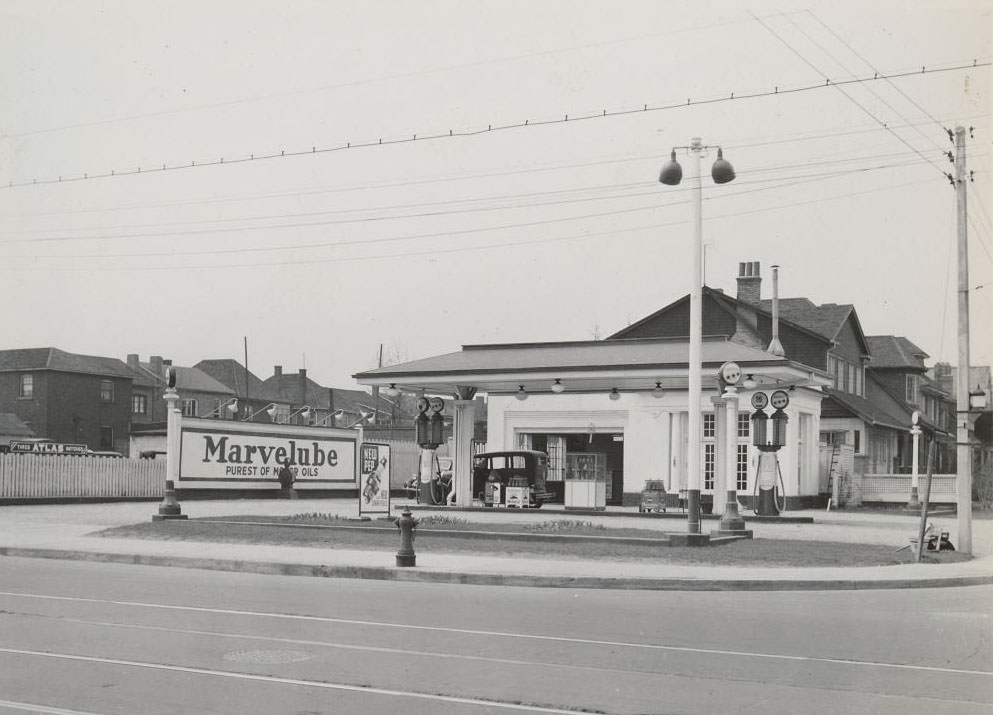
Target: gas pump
point(769, 477)
point(428, 430)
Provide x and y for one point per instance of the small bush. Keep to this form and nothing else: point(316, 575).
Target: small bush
point(316, 516)
point(545, 527)
point(442, 520)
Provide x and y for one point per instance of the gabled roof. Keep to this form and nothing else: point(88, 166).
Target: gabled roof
point(826, 319)
point(233, 375)
point(286, 388)
point(190, 379)
point(729, 305)
point(870, 411)
point(890, 351)
point(62, 361)
point(12, 426)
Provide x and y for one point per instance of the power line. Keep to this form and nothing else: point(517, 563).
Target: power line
point(445, 234)
point(309, 224)
point(411, 138)
point(848, 96)
point(868, 87)
point(778, 168)
point(555, 166)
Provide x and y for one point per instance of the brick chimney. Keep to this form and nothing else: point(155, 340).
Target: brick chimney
point(133, 361)
point(746, 319)
point(303, 386)
point(277, 370)
point(155, 364)
point(749, 282)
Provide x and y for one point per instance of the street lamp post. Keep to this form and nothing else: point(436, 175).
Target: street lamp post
point(672, 173)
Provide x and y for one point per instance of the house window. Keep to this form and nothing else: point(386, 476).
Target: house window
point(832, 368)
point(708, 466)
point(106, 437)
point(911, 391)
point(744, 424)
point(742, 468)
point(189, 408)
point(139, 404)
point(858, 441)
point(850, 385)
point(106, 391)
point(27, 387)
point(708, 426)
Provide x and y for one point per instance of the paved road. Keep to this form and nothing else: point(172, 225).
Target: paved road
point(108, 639)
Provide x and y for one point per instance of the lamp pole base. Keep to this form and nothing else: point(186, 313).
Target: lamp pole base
point(693, 511)
point(169, 509)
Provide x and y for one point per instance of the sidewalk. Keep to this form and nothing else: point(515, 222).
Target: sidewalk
point(66, 531)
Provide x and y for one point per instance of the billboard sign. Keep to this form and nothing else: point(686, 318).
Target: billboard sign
point(40, 446)
point(374, 479)
point(219, 454)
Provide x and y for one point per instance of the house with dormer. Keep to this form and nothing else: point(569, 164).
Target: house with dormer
point(898, 366)
point(862, 423)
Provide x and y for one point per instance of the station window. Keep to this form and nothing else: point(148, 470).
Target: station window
point(742, 468)
point(744, 424)
point(27, 387)
point(139, 404)
point(106, 391)
point(708, 466)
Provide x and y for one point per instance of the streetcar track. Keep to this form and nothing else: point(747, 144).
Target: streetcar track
point(364, 689)
point(509, 635)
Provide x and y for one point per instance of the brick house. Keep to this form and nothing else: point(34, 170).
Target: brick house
point(200, 395)
point(254, 396)
point(330, 406)
point(66, 397)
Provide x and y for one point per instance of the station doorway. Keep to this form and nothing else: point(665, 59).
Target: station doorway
point(558, 446)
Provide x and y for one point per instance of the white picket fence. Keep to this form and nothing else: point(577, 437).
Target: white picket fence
point(895, 488)
point(35, 476)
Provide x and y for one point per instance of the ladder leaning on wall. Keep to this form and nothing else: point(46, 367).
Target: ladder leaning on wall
point(834, 474)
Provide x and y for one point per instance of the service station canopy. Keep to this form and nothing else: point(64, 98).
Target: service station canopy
point(587, 366)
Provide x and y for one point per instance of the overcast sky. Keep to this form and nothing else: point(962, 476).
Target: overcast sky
point(557, 230)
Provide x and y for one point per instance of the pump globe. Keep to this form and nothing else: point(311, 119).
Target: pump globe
point(672, 172)
point(722, 171)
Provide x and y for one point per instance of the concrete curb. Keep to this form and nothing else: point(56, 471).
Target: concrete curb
point(416, 575)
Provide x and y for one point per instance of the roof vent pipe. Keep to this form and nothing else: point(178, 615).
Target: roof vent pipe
point(775, 347)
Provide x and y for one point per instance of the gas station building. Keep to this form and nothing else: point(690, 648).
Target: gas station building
point(625, 399)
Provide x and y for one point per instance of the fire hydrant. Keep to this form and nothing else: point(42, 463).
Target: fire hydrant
point(406, 524)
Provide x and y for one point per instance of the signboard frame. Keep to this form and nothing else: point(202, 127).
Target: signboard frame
point(374, 478)
point(221, 454)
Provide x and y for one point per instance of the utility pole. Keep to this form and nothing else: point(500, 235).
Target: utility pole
point(963, 456)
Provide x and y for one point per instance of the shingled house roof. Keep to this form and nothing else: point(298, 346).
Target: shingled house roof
point(890, 351)
point(188, 378)
point(232, 374)
point(12, 426)
point(826, 319)
point(62, 361)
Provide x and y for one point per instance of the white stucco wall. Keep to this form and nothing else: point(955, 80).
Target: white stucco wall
point(652, 429)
